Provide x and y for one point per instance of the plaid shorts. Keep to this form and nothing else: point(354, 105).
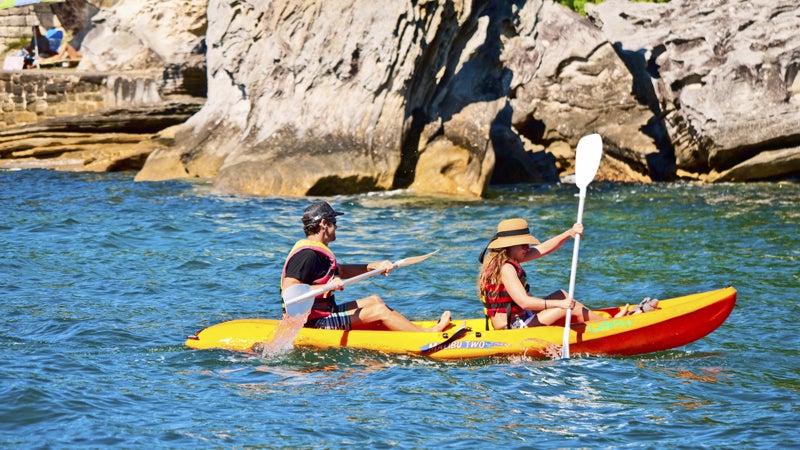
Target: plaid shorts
point(338, 320)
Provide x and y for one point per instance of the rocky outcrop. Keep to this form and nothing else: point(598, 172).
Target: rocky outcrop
point(141, 75)
point(165, 37)
point(348, 96)
point(448, 97)
point(101, 141)
point(312, 98)
point(567, 81)
point(722, 74)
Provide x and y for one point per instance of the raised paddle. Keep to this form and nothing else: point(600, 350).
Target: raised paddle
point(299, 298)
point(587, 161)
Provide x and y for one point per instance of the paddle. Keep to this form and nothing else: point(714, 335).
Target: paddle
point(299, 298)
point(587, 161)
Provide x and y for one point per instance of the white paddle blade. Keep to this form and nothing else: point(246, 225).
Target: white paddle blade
point(587, 159)
point(298, 299)
point(413, 260)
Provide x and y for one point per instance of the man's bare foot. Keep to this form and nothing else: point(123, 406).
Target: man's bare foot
point(622, 311)
point(443, 323)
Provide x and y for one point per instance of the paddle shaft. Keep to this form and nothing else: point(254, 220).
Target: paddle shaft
point(572, 276)
point(587, 161)
point(395, 265)
point(400, 263)
point(326, 288)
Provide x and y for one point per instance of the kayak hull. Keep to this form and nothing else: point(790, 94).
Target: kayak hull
point(677, 322)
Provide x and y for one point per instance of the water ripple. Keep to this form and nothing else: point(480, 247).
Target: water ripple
point(103, 279)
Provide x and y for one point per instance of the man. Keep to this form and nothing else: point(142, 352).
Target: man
point(312, 262)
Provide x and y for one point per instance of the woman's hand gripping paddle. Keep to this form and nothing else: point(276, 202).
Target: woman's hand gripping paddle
point(300, 297)
point(587, 161)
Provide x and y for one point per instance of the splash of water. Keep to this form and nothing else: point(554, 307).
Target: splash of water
point(282, 336)
point(541, 347)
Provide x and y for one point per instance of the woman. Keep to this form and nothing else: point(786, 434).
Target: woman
point(503, 286)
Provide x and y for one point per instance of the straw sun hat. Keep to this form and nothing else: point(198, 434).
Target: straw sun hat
point(510, 232)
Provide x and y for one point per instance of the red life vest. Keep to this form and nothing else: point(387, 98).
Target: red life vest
point(323, 303)
point(497, 299)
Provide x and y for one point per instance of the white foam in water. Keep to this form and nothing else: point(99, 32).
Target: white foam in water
point(281, 339)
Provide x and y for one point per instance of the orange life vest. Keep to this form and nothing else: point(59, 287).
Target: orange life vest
point(323, 303)
point(497, 299)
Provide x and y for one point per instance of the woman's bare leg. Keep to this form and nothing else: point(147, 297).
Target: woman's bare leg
point(580, 313)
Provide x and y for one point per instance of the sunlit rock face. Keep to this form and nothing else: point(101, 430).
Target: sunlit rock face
point(723, 74)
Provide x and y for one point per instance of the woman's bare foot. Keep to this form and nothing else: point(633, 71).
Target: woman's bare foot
point(646, 305)
point(444, 321)
point(622, 311)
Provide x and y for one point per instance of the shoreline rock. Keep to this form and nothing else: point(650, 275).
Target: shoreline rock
point(104, 140)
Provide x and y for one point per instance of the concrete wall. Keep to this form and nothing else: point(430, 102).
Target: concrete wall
point(30, 96)
point(17, 23)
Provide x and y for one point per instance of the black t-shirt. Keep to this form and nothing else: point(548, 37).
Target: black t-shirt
point(308, 265)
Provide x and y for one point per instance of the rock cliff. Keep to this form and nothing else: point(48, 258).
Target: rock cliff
point(348, 96)
point(448, 97)
point(722, 74)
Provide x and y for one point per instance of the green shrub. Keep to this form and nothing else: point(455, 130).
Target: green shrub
point(18, 44)
point(577, 5)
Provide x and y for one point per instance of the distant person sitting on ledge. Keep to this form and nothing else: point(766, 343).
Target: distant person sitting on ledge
point(37, 49)
point(71, 49)
point(69, 52)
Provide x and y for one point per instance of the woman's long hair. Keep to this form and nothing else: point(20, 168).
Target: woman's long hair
point(490, 270)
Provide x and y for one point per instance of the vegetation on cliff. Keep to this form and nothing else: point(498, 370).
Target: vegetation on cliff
point(578, 5)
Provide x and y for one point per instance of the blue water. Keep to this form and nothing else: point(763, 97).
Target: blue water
point(102, 279)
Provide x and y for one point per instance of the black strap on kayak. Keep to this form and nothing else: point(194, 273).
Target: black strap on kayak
point(433, 348)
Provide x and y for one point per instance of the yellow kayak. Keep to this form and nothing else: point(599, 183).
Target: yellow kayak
point(676, 322)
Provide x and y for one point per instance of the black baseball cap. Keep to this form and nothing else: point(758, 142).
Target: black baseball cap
point(317, 211)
